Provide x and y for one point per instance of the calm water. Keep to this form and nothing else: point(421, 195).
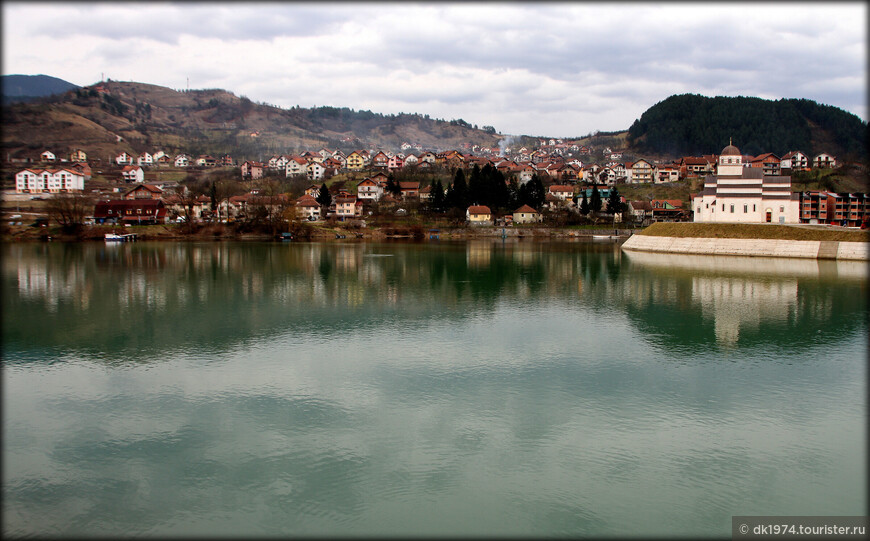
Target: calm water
point(477, 388)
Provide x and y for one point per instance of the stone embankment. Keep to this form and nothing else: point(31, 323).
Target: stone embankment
point(811, 249)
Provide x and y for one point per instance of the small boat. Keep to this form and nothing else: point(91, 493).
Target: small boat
point(114, 237)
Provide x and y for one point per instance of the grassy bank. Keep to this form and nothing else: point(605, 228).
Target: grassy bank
point(756, 231)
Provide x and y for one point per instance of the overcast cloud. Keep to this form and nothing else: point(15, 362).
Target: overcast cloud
point(554, 69)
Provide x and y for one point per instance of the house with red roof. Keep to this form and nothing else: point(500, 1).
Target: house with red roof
point(252, 170)
point(308, 207)
point(527, 215)
point(380, 160)
point(348, 206)
point(795, 160)
point(770, 163)
point(478, 215)
point(133, 173)
point(132, 211)
point(369, 190)
point(65, 179)
point(144, 191)
point(410, 190)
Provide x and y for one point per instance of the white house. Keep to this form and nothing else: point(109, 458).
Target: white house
point(295, 166)
point(824, 160)
point(48, 156)
point(794, 160)
point(123, 159)
point(182, 160)
point(49, 181)
point(133, 173)
point(315, 170)
point(666, 173)
point(145, 159)
point(739, 194)
point(527, 215)
point(369, 190)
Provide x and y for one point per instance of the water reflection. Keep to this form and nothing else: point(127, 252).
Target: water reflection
point(774, 301)
point(157, 297)
point(482, 388)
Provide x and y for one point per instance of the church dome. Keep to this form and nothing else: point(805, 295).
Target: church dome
point(730, 150)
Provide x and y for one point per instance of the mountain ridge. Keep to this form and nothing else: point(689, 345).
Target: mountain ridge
point(109, 117)
point(24, 88)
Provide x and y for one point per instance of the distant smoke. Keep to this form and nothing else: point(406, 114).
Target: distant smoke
point(504, 143)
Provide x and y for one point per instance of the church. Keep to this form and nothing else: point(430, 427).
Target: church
point(739, 194)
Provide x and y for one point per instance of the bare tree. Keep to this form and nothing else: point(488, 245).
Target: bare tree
point(187, 200)
point(69, 210)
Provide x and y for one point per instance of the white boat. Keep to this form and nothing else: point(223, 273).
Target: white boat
point(114, 237)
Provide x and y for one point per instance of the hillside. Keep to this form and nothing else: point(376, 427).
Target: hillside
point(111, 117)
point(23, 88)
point(689, 124)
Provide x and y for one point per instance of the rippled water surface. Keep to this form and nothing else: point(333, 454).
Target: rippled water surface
point(481, 388)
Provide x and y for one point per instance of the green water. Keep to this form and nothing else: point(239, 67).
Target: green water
point(481, 388)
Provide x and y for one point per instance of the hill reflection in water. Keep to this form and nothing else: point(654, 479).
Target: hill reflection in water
point(145, 300)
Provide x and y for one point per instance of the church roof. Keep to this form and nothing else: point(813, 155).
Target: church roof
point(730, 150)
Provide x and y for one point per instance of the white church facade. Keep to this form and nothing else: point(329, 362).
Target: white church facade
point(738, 194)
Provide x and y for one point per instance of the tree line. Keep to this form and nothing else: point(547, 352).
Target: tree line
point(690, 124)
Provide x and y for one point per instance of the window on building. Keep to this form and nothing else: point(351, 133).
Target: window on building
point(723, 207)
point(732, 209)
point(745, 209)
point(781, 209)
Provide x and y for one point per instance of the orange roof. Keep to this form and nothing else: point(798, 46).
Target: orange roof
point(526, 208)
point(479, 209)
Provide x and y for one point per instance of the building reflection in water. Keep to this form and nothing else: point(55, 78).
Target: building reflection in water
point(742, 293)
point(85, 293)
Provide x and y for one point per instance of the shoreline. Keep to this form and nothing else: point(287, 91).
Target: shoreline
point(222, 232)
point(785, 248)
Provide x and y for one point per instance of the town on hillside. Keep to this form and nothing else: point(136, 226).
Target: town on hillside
point(549, 184)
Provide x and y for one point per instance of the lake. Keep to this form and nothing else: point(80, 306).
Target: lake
point(480, 388)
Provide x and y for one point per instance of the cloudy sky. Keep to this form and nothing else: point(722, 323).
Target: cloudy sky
point(555, 69)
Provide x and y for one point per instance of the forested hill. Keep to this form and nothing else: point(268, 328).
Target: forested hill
point(17, 88)
point(693, 125)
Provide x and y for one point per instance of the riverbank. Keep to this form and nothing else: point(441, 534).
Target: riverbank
point(753, 240)
point(308, 232)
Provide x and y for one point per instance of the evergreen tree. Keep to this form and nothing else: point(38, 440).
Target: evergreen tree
point(476, 186)
point(496, 194)
point(437, 203)
point(584, 205)
point(614, 204)
point(392, 186)
point(532, 193)
point(457, 195)
point(595, 203)
point(514, 194)
point(324, 197)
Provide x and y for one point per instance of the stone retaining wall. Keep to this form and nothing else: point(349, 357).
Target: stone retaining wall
point(812, 249)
